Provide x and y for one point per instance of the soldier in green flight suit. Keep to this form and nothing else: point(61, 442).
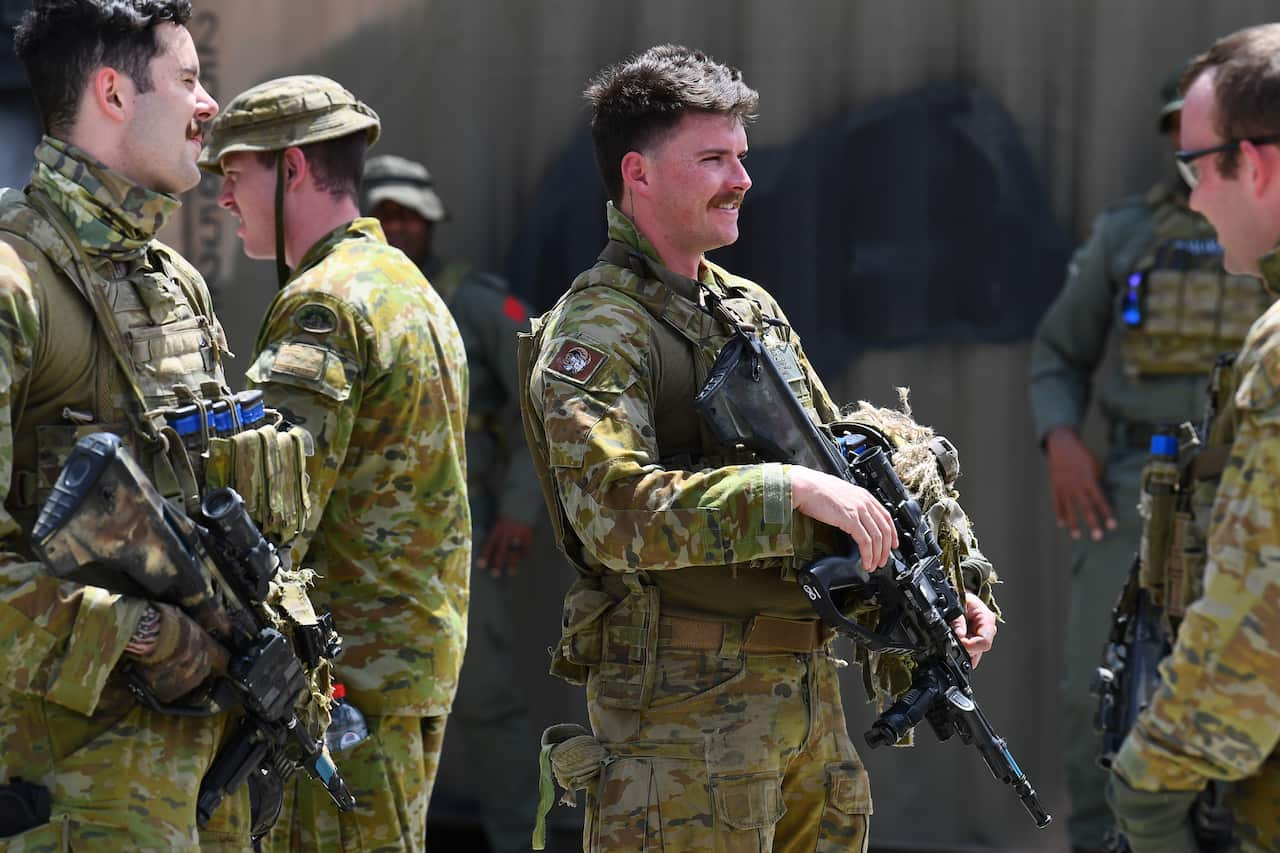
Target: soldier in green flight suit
point(1150, 281)
point(358, 348)
point(490, 711)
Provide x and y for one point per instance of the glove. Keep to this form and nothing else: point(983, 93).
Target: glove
point(172, 654)
point(1152, 821)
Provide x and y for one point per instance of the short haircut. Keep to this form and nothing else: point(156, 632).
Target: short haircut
point(1246, 86)
point(62, 42)
point(337, 165)
point(636, 102)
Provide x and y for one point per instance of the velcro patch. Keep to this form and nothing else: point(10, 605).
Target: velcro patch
point(315, 318)
point(302, 360)
point(577, 361)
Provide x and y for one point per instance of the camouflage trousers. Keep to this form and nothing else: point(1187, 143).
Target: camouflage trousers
point(1255, 807)
point(390, 772)
point(747, 752)
point(125, 778)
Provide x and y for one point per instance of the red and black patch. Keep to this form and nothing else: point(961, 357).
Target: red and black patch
point(576, 361)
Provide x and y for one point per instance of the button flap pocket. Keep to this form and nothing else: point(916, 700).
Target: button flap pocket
point(748, 802)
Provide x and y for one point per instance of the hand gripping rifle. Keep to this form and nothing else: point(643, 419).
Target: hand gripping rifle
point(746, 401)
point(105, 524)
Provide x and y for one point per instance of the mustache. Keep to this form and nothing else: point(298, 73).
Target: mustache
point(728, 198)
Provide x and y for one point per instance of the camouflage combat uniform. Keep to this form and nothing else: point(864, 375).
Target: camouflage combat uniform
point(361, 351)
point(1216, 714)
point(121, 776)
point(710, 684)
point(490, 711)
point(1150, 280)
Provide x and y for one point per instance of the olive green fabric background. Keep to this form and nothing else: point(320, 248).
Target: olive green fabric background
point(486, 92)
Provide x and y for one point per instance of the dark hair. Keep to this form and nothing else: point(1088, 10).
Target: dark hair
point(636, 102)
point(61, 42)
point(337, 165)
point(1246, 86)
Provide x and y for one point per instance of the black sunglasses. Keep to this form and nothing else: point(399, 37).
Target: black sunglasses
point(1185, 158)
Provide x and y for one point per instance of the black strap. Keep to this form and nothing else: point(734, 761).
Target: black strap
point(23, 806)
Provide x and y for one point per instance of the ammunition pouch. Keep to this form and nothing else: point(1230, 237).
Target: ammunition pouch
point(624, 677)
point(1157, 506)
point(267, 467)
point(581, 633)
point(23, 806)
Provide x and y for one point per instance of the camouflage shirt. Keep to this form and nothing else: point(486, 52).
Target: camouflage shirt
point(722, 540)
point(361, 351)
point(1217, 713)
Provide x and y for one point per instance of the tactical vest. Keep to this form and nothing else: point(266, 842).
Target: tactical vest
point(1179, 308)
point(1177, 498)
point(161, 388)
point(688, 337)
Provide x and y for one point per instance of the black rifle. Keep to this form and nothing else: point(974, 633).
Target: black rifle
point(105, 524)
point(746, 401)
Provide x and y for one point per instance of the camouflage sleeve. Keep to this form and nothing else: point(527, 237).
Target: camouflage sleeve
point(521, 498)
point(316, 379)
point(593, 377)
point(1070, 340)
point(1214, 716)
point(58, 640)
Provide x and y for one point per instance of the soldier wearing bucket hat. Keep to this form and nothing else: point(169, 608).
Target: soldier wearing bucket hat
point(358, 348)
point(491, 715)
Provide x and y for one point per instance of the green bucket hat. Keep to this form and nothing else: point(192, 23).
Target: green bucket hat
point(280, 114)
point(285, 112)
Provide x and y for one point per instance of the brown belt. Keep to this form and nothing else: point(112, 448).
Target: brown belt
point(758, 635)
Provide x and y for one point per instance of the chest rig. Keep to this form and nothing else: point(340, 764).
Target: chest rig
point(1179, 308)
point(161, 388)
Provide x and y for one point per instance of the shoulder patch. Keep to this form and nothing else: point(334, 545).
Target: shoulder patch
point(514, 311)
point(302, 360)
point(577, 361)
point(315, 318)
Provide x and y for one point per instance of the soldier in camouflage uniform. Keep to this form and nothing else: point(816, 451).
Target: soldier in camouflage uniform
point(1150, 277)
point(359, 349)
point(1217, 714)
point(713, 697)
point(81, 274)
point(489, 711)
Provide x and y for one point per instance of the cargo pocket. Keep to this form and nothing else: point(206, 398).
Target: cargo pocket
point(747, 810)
point(847, 810)
point(651, 796)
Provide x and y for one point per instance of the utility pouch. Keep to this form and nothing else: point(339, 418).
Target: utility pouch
point(1184, 579)
point(1157, 505)
point(23, 806)
point(629, 647)
point(267, 466)
point(581, 630)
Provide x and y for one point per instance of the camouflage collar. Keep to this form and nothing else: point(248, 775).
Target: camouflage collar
point(622, 229)
point(364, 228)
point(111, 214)
point(1269, 264)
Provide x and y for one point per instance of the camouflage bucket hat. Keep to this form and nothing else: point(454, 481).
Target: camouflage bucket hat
point(408, 184)
point(285, 112)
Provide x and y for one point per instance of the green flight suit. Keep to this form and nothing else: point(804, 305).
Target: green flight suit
point(491, 712)
point(1148, 261)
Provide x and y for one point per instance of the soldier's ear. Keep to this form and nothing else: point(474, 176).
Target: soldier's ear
point(106, 92)
point(296, 168)
point(635, 172)
point(1261, 165)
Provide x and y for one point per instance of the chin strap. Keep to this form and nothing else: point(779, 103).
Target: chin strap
point(282, 268)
